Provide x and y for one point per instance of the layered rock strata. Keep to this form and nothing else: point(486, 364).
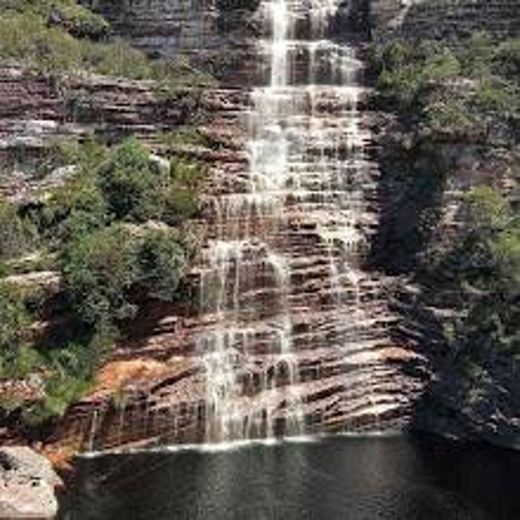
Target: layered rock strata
point(212, 34)
point(292, 333)
point(432, 185)
point(37, 112)
point(446, 19)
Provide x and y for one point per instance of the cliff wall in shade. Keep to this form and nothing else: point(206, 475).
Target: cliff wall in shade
point(424, 213)
point(456, 402)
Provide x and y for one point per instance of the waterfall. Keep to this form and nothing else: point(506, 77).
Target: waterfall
point(284, 252)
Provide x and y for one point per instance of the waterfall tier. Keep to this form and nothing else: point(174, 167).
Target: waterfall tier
point(293, 333)
point(282, 277)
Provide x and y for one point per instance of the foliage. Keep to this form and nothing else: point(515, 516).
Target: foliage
point(177, 72)
point(103, 269)
point(28, 39)
point(441, 95)
point(506, 62)
point(98, 271)
point(74, 209)
point(16, 358)
point(179, 199)
point(60, 36)
point(484, 269)
point(13, 317)
point(19, 362)
point(117, 58)
point(186, 136)
point(161, 262)
point(449, 90)
point(65, 152)
point(130, 180)
point(71, 368)
point(74, 18)
point(17, 235)
point(464, 94)
point(65, 371)
point(95, 230)
point(497, 95)
point(477, 54)
point(405, 71)
point(139, 188)
point(125, 183)
point(60, 391)
point(86, 156)
point(448, 114)
point(35, 261)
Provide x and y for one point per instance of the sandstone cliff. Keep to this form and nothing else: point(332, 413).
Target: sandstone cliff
point(154, 387)
point(446, 19)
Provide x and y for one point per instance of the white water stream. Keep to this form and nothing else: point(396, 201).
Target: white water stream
point(299, 164)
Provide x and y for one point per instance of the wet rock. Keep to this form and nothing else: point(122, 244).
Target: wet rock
point(296, 282)
point(359, 353)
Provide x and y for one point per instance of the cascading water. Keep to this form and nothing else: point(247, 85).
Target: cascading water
point(284, 254)
point(295, 334)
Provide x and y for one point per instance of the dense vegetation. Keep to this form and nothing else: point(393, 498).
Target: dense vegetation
point(449, 91)
point(112, 233)
point(446, 99)
point(455, 104)
point(479, 273)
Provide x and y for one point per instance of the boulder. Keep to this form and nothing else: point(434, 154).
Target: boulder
point(27, 484)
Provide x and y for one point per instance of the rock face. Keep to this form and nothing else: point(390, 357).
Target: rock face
point(486, 412)
point(293, 330)
point(292, 333)
point(27, 484)
point(483, 404)
point(214, 35)
point(456, 405)
point(34, 108)
point(444, 18)
point(37, 112)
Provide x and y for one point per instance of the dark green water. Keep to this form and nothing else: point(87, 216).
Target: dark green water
point(374, 478)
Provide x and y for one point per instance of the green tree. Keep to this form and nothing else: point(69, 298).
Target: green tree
point(161, 261)
point(129, 180)
point(506, 61)
point(17, 235)
point(98, 271)
point(13, 316)
point(484, 268)
point(74, 209)
point(16, 357)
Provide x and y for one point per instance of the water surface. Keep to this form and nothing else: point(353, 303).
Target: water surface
point(369, 478)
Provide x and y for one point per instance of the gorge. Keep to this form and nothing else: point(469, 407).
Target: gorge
point(240, 222)
point(293, 334)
